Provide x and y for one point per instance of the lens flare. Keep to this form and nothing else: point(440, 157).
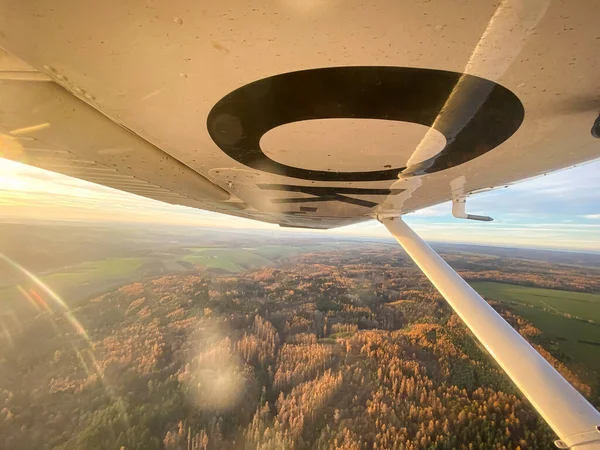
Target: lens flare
point(6, 333)
point(34, 298)
point(39, 300)
point(29, 298)
point(58, 302)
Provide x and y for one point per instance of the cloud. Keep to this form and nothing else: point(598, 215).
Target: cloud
point(591, 216)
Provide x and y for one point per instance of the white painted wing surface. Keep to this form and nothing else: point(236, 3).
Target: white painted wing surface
point(315, 114)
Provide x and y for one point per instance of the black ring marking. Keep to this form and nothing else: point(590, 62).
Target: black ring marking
point(239, 120)
point(596, 132)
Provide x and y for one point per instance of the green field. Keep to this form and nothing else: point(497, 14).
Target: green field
point(283, 251)
point(74, 283)
point(84, 273)
point(579, 304)
point(549, 310)
point(242, 259)
point(78, 281)
point(227, 259)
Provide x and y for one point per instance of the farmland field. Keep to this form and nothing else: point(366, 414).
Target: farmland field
point(241, 259)
point(561, 315)
point(579, 304)
point(227, 259)
point(79, 281)
point(95, 270)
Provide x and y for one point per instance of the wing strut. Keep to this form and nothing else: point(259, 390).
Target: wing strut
point(573, 419)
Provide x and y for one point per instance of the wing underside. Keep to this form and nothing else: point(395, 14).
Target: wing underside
point(284, 117)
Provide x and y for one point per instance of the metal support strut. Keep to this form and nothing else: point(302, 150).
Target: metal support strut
point(568, 413)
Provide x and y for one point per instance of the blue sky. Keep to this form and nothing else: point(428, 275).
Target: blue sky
point(560, 210)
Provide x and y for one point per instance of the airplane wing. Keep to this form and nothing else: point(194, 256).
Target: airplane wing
point(310, 113)
point(302, 114)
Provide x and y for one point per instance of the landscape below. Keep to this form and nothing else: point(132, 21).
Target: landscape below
point(239, 342)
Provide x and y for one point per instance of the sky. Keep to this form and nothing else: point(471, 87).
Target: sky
point(560, 210)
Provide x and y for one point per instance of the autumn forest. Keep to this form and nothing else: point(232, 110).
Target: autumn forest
point(337, 349)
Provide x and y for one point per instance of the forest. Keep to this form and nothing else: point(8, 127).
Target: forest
point(327, 350)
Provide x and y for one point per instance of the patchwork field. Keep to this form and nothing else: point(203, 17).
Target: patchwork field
point(570, 318)
point(78, 282)
point(84, 273)
point(240, 259)
point(227, 259)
